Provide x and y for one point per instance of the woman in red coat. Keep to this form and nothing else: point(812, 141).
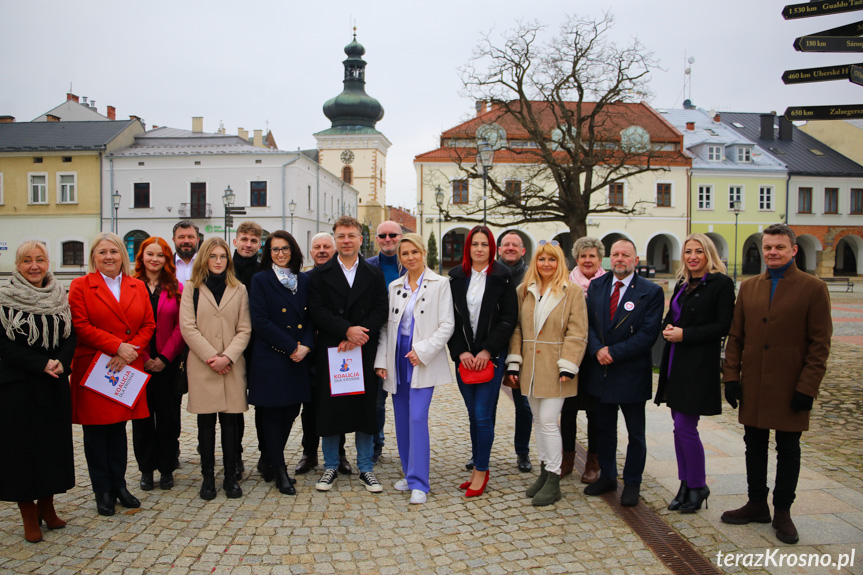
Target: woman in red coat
point(111, 313)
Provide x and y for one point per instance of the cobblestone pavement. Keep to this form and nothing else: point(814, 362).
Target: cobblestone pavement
point(351, 531)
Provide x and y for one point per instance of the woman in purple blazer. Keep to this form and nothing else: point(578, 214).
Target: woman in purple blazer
point(156, 438)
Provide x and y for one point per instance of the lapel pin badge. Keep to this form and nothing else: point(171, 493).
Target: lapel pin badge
point(629, 306)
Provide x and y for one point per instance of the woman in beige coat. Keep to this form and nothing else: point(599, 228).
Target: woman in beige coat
point(215, 322)
point(544, 354)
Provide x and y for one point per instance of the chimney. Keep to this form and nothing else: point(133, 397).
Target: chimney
point(131, 117)
point(690, 126)
point(243, 133)
point(717, 118)
point(7, 119)
point(84, 98)
point(785, 129)
point(259, 139)
point(480, 107)
point(93, 104)
point(767, 126)
point(71, 96)
point(112, 113)
point(197, 124)
point(52, 118)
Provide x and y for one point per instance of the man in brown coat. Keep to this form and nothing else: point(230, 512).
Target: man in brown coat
point(782, 326)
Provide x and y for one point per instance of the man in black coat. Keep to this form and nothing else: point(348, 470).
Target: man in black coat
point(624, 313)
point(348, 303)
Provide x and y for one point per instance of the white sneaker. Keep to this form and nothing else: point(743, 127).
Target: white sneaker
point(418, 497)
point(402, 485)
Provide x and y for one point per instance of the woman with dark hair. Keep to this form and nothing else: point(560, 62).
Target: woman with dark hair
point(279, 380)
point(36, 347)
point(486, 312)
point(699, 316)
point(156, 438)
point(217, 331)
point(112, 314)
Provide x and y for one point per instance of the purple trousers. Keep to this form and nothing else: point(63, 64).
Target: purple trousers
point(689, 450)
point(411, 411)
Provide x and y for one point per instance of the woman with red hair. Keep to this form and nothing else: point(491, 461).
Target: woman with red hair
point(156, 438)
point(486, 312)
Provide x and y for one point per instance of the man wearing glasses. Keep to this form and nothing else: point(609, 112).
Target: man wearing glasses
point(388, 237)
point(348, 304)
point(511, 251)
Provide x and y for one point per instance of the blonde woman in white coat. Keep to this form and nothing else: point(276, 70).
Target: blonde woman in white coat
point(544, 354)
point(412, 358)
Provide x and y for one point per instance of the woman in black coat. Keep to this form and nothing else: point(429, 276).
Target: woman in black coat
point(486, 312)
point(36, 348)
point(698, 318)
point(279, 381)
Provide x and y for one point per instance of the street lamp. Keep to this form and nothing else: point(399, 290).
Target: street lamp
point(735, 205)
point(420, 207)
point(484, 159)
point(228, 201)
point(292, 205)
point(115, 199)
point(438, 196)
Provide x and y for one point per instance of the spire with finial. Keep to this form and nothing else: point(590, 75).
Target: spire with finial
point(353, 107)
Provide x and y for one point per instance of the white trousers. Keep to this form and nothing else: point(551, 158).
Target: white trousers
point(546, 430)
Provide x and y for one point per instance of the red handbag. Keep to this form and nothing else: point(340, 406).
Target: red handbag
point(471, 377)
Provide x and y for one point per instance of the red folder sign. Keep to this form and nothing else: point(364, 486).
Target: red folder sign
point(123, 386)
point(346, 371)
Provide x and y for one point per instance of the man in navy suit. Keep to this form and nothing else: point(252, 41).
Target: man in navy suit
point(624, 317)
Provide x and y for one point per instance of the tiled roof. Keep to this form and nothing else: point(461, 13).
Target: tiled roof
point(56, 136)
point(166, 141)
point(795, 153)
point(616, 118)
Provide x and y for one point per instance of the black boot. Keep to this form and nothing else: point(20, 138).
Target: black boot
point(283, 482)
point(694, 499)
point(680, 498)
point(207, 449)
point(230, 450)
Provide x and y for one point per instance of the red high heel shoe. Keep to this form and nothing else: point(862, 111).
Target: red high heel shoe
point(477, 492)
point(465, 485)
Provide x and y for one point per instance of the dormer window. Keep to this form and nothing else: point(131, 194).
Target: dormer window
point(714, 153)
point(744, 155)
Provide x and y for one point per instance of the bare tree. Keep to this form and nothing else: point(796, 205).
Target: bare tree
point(572, 94)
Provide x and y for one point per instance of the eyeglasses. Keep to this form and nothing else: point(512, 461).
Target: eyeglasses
point(511, 245)
point(552, 242)
point(284, 250)
point(390, 236)
point(341, 237)
point(218, 257)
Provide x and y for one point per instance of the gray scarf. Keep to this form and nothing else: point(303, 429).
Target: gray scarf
point(22, 304)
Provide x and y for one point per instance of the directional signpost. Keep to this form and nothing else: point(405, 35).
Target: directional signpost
point(846, 38)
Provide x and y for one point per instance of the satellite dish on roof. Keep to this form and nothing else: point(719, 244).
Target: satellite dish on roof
point(687, 104)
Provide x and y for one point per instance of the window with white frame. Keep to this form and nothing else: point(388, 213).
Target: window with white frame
point(705, 197)
point(38, 189)
point(67, 189)
point(735, 194)
point(765, 198)
point(744, 154)
point(714, 153)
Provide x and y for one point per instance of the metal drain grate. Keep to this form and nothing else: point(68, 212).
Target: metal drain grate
point(674, 551)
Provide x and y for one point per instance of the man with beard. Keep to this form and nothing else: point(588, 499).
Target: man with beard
point(511, 254)
point(186, 237)
point(322, 250)
point(624, 314)
point(388, 236)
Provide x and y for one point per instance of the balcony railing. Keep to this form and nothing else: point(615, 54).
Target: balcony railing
point(195, 211)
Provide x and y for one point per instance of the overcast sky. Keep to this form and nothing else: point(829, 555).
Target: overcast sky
point(252, 62)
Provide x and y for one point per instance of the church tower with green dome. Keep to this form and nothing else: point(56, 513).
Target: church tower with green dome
point(352, 147)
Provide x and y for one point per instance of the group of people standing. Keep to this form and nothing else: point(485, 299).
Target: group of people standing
point(235, 330)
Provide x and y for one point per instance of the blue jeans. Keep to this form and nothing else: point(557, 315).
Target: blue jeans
point(481, 402)
point(365, 447)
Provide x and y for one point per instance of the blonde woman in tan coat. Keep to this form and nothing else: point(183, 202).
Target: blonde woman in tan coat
point(215, 322)
point(544, 354)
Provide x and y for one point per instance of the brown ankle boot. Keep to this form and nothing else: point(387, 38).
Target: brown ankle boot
point(752, 512)
point(30, 515)
point(48, 514)
point(785, 529)
point(567, 463)
point(591, 469)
